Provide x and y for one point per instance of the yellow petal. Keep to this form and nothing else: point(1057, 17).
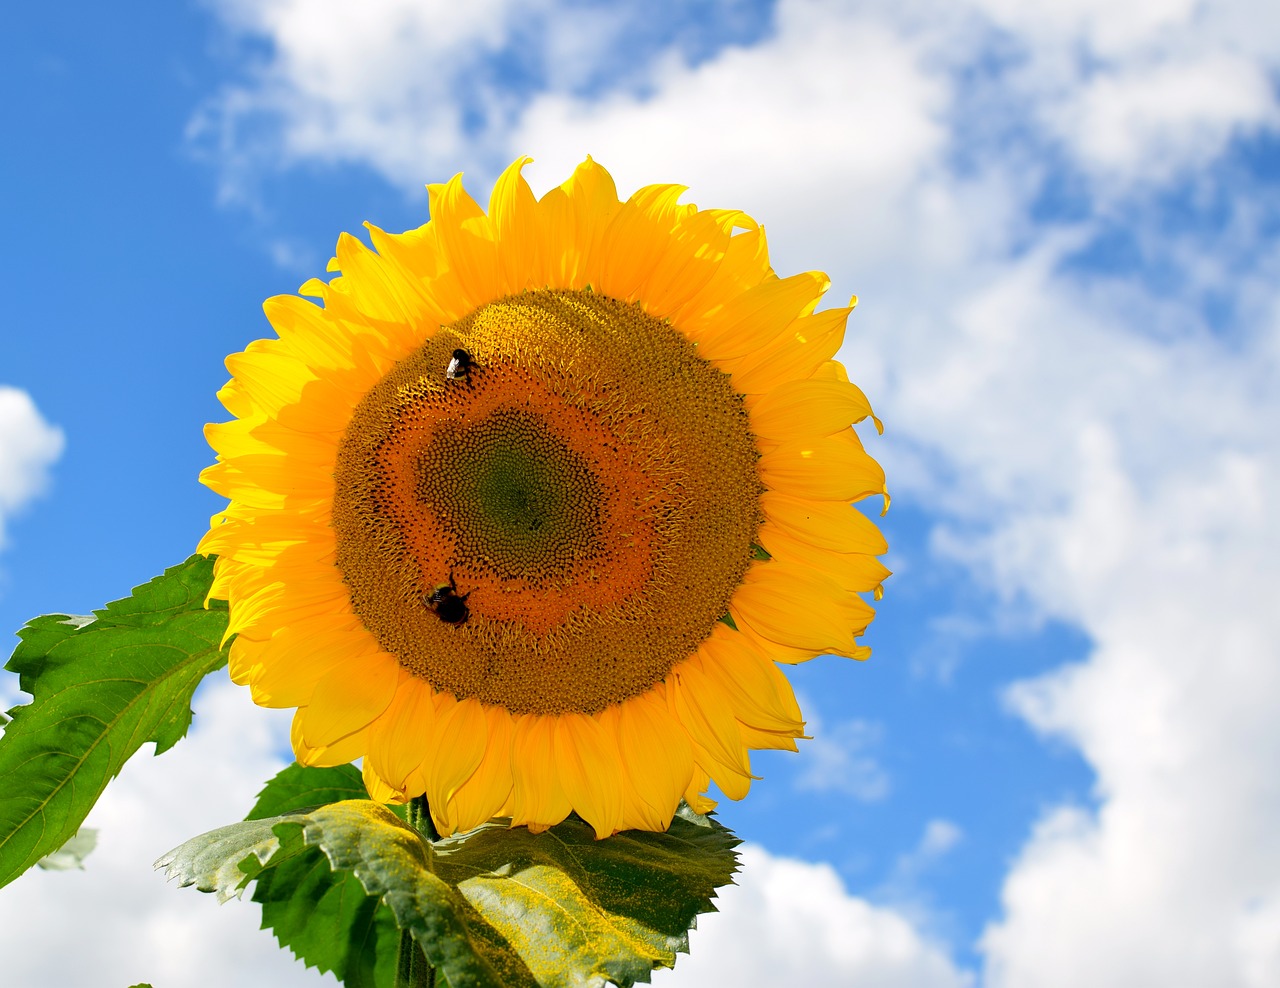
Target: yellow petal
point(705, 713)
point(558, 253)
point(308, 335)
point(592, 201)
point(399, 738)
point(538, 799)
point(753, 320)
point(693, 253)
point(793, 654)
point(590, 771)
point(639, 233)
point(744, 265)
point(731, 782)
point(657, 756)
point(420, 260)
point(377, 787)
point(807, 408)
point(348, 698)
point(292, 663)
point(696, 796)
point(485, 794)
point(826, 469)
point(758, 740)
point(513, 213)
point(375, 288)
point(829, 524)
point(741, 674)
point(462, 228)
point(456, 750)
point(804, 346)
point(270, 376)
point(854, 572)
point(342, 751)
point(796, 607)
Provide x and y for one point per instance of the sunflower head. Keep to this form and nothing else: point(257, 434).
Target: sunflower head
point(526, 511)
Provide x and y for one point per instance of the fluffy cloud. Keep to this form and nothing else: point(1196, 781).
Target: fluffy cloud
point(841, 758)
point(1145, 93)
point(1118, 482)
point(28, 448)
point(415, 89)
point(126, 923)
point(369, 82)
point(790, 922)
point(1156, 120)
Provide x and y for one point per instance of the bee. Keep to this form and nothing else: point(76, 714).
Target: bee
point(460, 366)
point(447, 605)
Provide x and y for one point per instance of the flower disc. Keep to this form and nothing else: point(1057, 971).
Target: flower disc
point(526, 513)
point(590, 487)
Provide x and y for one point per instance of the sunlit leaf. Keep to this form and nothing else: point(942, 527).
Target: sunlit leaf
point(325, 917)
point(496, 906)
point(102, 686)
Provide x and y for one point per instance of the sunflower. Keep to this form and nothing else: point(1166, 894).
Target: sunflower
point(527, 511)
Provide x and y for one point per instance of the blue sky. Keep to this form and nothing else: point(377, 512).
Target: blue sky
point(1057, 768)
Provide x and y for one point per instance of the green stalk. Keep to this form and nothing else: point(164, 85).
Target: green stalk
point(412, 967)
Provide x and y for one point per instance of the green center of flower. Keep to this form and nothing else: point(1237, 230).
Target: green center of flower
point(511, 493)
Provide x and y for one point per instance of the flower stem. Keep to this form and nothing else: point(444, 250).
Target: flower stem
point(420, 818)
point(413, 970)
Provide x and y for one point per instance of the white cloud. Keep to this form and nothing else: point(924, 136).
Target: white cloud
point(415, 89)
point(1156, 120)
point(939, 837)
point(377, 82)
point(906, 889)
point(1141, 93)
point(837, 103)
point(841, 759)
point(1114, 474)
point(789, 922)
point(128, 924)
point(1168, 570)
point(29, 446)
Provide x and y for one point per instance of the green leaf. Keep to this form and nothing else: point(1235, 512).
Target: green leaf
point(102, 687)
point(323, 916)
point(297, 788)
point(494, 907)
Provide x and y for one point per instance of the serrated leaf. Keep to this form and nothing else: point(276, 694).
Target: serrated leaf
point(496, 906)
point(70, 856)
point(581, 911)
point(297, 788)
point(388, 858)
point(325, 917)
point(102, 687)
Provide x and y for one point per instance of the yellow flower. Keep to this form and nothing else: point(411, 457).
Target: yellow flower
point(527, 511)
